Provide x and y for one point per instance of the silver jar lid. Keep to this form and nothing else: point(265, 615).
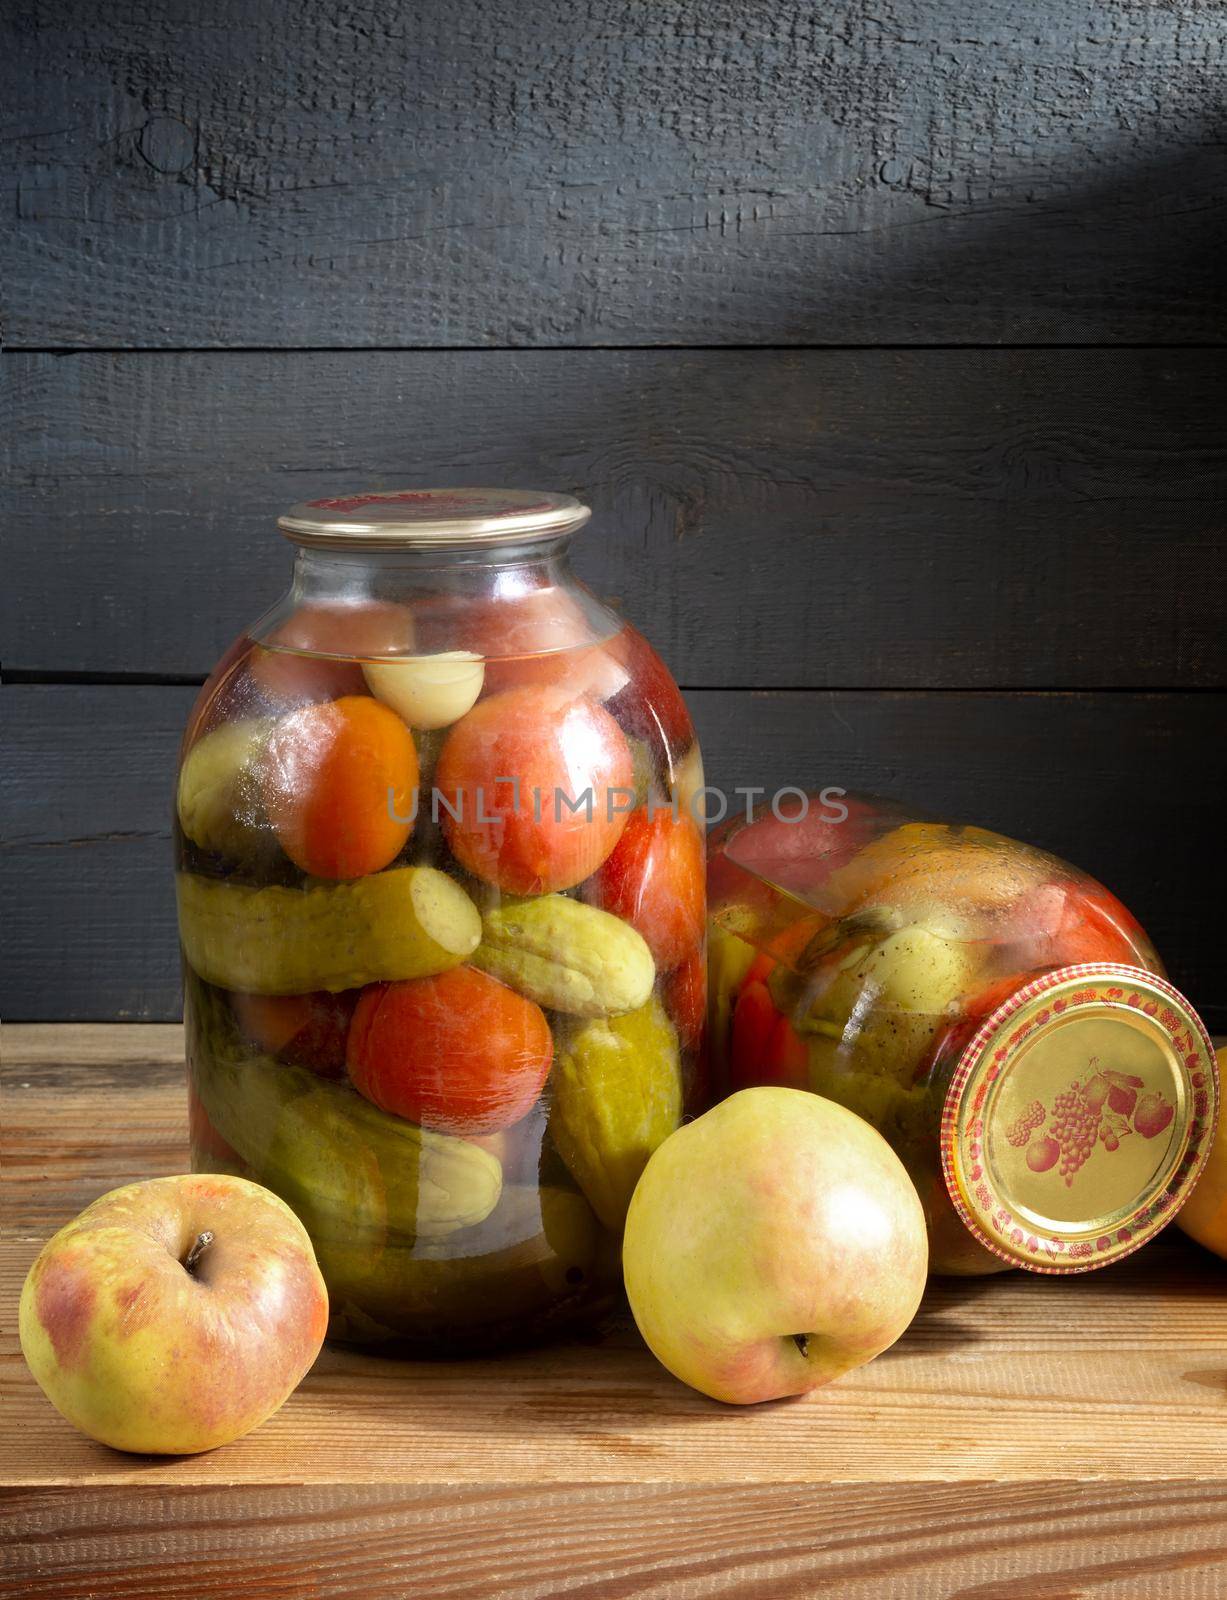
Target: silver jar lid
point(433, 517)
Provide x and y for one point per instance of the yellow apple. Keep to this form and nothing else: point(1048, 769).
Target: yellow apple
point(174, 1315)
point(773, 1244)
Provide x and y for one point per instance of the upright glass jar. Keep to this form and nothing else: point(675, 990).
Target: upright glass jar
point(441, 904)
point(998, 1015)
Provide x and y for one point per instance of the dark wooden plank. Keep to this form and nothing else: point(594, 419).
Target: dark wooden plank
point(1129, 786)
point(854, 519)
point(1034, 1541)
point(87, 792)
point(489, 173)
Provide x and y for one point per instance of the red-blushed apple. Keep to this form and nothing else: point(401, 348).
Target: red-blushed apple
point(174, 1315)
point(773, 1244)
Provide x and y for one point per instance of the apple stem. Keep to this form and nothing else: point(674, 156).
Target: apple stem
point(203, 1241)
point(801, 1341)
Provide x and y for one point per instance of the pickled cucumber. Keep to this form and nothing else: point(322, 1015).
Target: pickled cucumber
point(617, 1096)
point(408, 922)
point(567, 956)
point(218, 799)
point(536, 1249)
point(348, 1169)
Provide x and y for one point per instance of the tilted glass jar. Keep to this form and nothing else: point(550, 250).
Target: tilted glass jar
point(441, 904)
point(998, 1015)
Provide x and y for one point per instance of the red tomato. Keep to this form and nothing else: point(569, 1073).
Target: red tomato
point(754, 1019)
point(1097, 927)
point(335, 779)
point(980, 1007)
point(305, 1030)
point(1064, 922)
point(765, 1048)
point(326, 629)
point(650, 705)
point(787, 1057)
point(550, 742)
point(530, 633)
point(655, 880)
point(460, 1052)
point(797, 852)
point(686, 999)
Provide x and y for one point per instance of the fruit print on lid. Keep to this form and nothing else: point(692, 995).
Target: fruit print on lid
point(1078, 1118)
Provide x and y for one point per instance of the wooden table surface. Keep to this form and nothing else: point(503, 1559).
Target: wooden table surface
point(1029, 1437)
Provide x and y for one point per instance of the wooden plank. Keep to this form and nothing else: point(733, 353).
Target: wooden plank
point(989, 519)
point(1128, 786)
point(486, 173)
point(1115, 1376)
point(1044, 1541)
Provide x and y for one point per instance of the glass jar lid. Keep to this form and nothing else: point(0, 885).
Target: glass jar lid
point(433, 518)
point(1079, 1117)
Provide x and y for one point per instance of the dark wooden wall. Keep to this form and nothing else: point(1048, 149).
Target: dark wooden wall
point(885, 338)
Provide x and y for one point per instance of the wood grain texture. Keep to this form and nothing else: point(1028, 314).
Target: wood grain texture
point(1129, 786)
point(1116, 1380)
point(1042, 1541)
point(992, 519)
point(485, 173)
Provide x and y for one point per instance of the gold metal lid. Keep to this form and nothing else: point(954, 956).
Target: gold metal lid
point(433, 518)
point(1079, 1117)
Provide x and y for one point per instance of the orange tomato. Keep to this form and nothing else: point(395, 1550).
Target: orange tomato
point(306, 1030)
point(501, 771)
point(460, 1052)
point(324, 629)
point(655, 879)
point(332, 777)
